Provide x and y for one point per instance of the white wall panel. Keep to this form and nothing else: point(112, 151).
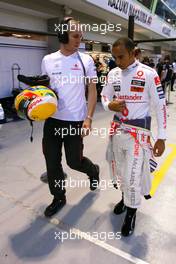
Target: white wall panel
point(23, 21)
point(27, 56)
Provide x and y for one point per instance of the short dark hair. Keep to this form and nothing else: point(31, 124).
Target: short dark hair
point(127, 42)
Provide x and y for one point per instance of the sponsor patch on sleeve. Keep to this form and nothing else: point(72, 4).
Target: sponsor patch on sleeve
point(160, 92)
point(157, 80)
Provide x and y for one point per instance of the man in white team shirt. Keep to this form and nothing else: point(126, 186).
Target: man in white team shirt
point(67, 69)
point(129, 91)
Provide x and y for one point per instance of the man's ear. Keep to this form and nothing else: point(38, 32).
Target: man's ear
point(68, 37)
point(132, 54)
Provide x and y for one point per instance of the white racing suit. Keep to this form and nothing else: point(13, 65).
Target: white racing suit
point(129, 151)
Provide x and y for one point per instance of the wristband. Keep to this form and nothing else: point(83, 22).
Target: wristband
point(89, 117)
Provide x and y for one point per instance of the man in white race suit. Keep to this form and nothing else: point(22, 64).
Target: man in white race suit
point(129, 90)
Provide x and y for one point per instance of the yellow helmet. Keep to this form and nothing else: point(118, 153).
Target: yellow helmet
point(36, 103)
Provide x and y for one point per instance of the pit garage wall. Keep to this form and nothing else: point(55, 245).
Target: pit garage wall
point(28, 54)
point(13, 19)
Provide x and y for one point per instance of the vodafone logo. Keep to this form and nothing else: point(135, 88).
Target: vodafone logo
point(140, 73)
point(34, 103)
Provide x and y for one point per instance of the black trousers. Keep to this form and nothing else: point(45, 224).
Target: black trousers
point(57, 133)
point(172, 81)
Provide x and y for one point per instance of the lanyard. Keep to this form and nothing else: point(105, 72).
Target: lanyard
point(84, 70)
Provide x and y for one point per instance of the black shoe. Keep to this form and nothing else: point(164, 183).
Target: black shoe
point(120, 208)
point(54, 207)
point(94, 179)
point(44, 177)
point(147, 197)
point(129, 222)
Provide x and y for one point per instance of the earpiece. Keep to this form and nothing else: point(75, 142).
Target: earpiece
point(63, 34)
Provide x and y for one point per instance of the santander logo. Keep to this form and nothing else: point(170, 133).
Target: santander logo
point(34, 103)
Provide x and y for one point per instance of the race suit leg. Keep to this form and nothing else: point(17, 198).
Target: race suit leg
point(131, 163)
point(117, 161)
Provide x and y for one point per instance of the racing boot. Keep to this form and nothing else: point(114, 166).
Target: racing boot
point(129, 222)
point(120, 207)
point(55, 206)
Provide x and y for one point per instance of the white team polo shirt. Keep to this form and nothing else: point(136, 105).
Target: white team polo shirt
point(67, 79)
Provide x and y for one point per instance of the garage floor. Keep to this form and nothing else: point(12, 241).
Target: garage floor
point(86, 224)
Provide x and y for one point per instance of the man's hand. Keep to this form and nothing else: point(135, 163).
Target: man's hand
point(117, 106)
point(159, 148)
point(86, 127)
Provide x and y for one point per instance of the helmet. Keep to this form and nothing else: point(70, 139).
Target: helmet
point(36, 103)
